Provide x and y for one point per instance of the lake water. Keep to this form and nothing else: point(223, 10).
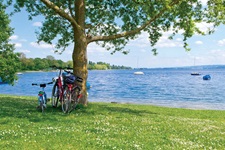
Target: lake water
point(164, 87)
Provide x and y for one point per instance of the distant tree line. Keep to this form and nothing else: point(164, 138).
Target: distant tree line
point(35, 64)
point(104, 66)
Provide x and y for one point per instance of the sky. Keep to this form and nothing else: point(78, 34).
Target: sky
point(205, 50)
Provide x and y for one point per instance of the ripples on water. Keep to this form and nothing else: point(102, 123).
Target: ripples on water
point(165, 87)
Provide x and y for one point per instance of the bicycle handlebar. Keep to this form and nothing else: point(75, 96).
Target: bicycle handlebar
point(79, 79)
point(67, 71)
point(60, 67)
point(42, 84)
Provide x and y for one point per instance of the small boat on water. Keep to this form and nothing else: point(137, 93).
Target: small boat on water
point(88, 85)
point(138, 73)
point(206, 77)
point(195, 73)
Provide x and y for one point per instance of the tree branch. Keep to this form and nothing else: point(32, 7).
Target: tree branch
point(70, 9)
point(132, 32)
point(60, 12)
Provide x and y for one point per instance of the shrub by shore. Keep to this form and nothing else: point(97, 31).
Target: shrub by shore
point(108, 126)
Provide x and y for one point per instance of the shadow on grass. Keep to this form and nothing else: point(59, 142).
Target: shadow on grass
point(22, 107)
point(25, 108)
point(112, 108)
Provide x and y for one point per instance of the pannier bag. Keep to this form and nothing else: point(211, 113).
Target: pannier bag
point(70, 79)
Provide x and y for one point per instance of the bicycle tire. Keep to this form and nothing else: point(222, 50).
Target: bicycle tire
point(55, 95)
point(75, 97)
point(66, 102)
point(42, 107)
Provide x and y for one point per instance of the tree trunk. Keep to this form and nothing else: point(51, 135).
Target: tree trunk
point(80, 64)
point(80, 48)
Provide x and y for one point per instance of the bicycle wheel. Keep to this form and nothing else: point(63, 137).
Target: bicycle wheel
point(55, 95)
point(75, 97)
point(66, 102)
point(42, 107)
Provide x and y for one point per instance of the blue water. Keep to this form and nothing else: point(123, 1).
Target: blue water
point(164, 87)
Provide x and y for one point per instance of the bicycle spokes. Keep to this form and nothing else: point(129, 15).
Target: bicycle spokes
point(66, 102)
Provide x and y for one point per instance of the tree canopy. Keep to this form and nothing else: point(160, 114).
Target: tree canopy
point(112, 23)
point(8, 59)
point(115, 22)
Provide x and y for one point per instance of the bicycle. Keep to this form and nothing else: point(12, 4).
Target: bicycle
point(42, 96)
point(65, 91)
point(72, 92)
point(57, 90)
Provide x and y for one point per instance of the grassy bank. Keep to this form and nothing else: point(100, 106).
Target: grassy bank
point(104, 126)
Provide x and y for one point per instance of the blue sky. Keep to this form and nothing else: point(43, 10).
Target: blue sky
point(205, 50)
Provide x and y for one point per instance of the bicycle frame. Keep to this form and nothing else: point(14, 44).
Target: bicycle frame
point(72, 86)
point(65, 90)
point(72, 95)
point(59, 83)
point(58, 88)
point(42, 96)
point(70, 89)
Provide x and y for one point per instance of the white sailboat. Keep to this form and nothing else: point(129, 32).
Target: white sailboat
point(138, 72)
point(195, 73)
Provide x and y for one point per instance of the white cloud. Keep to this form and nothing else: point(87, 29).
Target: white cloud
point(167, 43)
point(68, 52)
point(24, 51)
point(221, 42)
point(218, 53)
point(37, 24)
point(204, 2)
point(199, 42)
point(216, 57)
point(143, 50)
point(94, 48)
point(23, 40)
point(17, 45)
point(143, 41)
point(13, 37)
point(205, 27)
point(41, 45)
point(179, 39)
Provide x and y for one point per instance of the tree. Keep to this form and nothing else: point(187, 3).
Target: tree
point(69, 64)
point(51, 60)
point(40, 64)
point(8, 59)
point(112, 23)
point(23, 61)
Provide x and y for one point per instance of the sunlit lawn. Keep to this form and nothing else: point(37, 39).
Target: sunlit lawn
point(106, 126)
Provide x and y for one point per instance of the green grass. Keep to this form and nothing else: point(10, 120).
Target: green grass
point(106, 126)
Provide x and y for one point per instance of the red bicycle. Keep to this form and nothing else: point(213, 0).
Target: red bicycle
point(66, 90)
point(72, 92)
point(57, 90)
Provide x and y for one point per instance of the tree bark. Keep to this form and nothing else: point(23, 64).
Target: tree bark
point(80, 48)
point(80, 65)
